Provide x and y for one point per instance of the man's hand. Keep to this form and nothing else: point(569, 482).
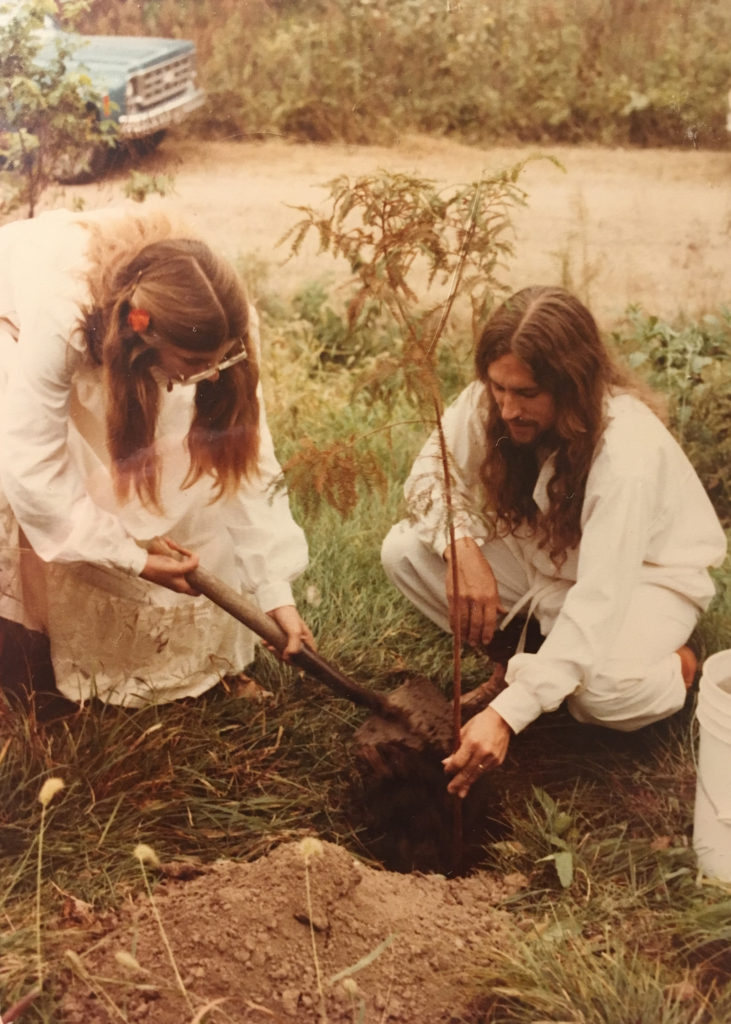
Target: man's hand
point(298, 632)
point(484, 745)
point(167, 564)
point(478, 604)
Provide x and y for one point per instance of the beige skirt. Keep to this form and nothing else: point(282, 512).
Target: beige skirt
point(117, 637)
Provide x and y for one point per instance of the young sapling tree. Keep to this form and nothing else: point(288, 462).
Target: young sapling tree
point(415, 250)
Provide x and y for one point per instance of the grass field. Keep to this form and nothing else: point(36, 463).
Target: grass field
point(600, 823)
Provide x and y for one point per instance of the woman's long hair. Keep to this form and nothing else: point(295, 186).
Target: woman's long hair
point(557, 338)
point(195, 301)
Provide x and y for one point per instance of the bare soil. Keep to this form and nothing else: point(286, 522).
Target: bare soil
point(305, 934)
point(266, 941)
point(619, 227)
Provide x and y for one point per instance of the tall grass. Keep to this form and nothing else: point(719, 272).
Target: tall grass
point(608, 71)
point(629, 934)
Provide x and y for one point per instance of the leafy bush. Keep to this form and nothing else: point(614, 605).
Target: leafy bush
point(340, 342)
point(608, 71)
point(48, 119)
point(691, 364)
point(140, 185)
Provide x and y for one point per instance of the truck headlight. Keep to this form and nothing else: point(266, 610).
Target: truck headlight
point(130, 93)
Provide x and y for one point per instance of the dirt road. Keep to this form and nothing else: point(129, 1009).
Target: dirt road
point(617, 226)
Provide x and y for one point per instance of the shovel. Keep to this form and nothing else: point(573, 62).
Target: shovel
point(416, 715)
point(268, 630)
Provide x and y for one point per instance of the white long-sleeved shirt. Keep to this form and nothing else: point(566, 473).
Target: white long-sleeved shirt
point(645, 518)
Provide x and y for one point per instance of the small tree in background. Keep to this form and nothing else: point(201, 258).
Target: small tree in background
point(49, 123)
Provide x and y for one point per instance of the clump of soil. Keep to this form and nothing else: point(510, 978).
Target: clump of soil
point(279, 939)
point(406, 819)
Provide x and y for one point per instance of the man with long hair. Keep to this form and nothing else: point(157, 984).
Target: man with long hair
point(572, 505)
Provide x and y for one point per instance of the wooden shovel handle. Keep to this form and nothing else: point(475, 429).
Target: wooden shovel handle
point(264, 626)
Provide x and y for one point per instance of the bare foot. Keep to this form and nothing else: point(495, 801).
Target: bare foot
point(688, 665)
point(243, 686)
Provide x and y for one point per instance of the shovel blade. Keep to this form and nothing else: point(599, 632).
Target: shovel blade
point(427, 727)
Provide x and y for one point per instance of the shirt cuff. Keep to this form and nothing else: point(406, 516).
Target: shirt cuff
point(517, 706)
point(135, 561)
point(274, 595)
point(460, 532)
point(535, 684)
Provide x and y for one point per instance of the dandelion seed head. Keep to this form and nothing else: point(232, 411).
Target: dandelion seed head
point(49, 789)
point(311, 847)
point(146, 855)
point(125, 959)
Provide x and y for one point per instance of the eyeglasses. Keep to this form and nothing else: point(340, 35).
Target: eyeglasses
point(231, 360)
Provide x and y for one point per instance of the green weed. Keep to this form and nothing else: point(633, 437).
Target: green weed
point(140, 185)
point(690, 363)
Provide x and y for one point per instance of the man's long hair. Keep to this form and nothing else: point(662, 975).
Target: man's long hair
point(557, 338)
point(195, 301)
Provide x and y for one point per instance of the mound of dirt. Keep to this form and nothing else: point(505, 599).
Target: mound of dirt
point(306, 933)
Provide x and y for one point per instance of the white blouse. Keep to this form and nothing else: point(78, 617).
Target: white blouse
point(54, 465)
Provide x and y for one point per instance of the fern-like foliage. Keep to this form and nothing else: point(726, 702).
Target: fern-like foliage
point(334, 473)
point(393, 228)
point(413, 248)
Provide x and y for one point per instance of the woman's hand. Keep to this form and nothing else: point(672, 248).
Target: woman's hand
point(167, 564)
point(484, 745)
point(478, 603)
point(298, 632)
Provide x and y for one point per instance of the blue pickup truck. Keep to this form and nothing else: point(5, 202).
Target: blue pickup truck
point(143, 85)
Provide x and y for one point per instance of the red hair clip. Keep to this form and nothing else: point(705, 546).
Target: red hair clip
point(138, 320)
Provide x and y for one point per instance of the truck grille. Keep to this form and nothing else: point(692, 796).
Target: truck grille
point(164, 81)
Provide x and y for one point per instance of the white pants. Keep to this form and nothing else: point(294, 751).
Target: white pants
point(640, 682)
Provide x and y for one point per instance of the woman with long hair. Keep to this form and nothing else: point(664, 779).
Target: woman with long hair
point(573, 506)
point(132, 411)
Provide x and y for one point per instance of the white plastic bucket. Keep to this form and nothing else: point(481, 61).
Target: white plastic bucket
point(712, 825)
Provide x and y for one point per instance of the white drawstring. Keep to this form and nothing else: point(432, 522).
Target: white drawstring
point(540, 587)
